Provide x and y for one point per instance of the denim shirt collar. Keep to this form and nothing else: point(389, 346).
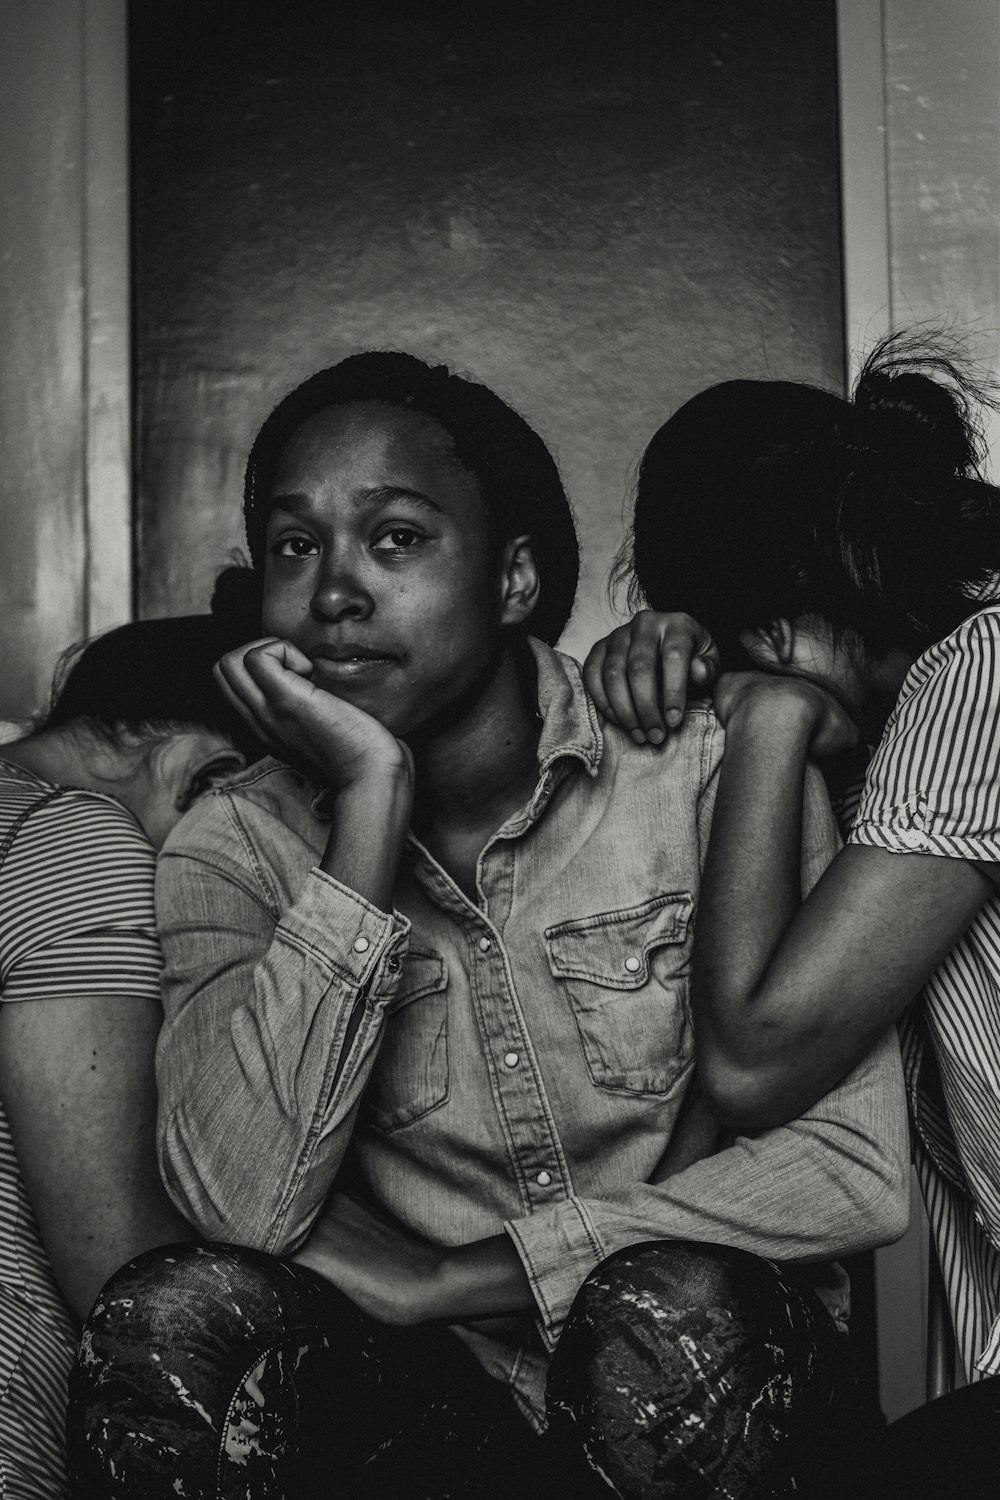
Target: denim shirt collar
point(570, 728)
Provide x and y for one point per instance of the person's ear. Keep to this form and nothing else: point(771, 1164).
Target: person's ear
point(771, 645)
point(198, 771)
point(520, 583)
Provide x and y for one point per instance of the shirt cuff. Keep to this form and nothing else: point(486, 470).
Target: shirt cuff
point(558, 1249)
point(353, 940)
point(913, 831)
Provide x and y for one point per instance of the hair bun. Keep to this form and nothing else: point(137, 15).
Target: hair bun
point(236, 605)
point(916, 405)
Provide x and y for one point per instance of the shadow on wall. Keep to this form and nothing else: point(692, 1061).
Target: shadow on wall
point(596, 209)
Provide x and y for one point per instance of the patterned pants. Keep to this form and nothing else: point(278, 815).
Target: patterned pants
point(214, 1372)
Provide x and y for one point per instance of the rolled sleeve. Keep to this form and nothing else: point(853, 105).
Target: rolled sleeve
point(259, 1073)
point(933, 786)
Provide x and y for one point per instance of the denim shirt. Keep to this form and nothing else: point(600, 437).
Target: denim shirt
point(521, 1060)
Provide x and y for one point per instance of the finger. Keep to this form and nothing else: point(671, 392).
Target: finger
point(243, 707)
point(675, 672)
point(617, 687)
point(259, 686)
point(277, 672)
point(289, 656)
point(644, 686)
point(232, 676)
point(706, 666)
point(593, 669)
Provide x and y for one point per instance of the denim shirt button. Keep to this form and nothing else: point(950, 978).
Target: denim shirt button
point(485, 945)
point(392, 964)
point(361, 945)
point(543, 1178)
point(633, 964)
point(511, 1059)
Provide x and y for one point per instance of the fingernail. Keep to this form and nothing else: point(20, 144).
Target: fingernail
point(638, 736)
point(656, 736)
point(674, 717)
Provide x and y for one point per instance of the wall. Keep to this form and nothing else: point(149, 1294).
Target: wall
point(597, 210)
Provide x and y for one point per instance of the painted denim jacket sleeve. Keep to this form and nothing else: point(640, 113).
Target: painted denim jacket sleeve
point(831, 1183)
point(252, 1065)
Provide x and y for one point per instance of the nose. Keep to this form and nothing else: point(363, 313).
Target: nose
point(339, 593)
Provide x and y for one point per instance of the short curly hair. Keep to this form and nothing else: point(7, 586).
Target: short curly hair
point(516, 473)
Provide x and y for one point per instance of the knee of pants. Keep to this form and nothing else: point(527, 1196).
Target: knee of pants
point(179, 1294)
point(676, 1278)
point(642, 1304)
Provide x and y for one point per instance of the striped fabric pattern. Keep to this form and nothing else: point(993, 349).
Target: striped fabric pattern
point(933, 787)
point(76, 919)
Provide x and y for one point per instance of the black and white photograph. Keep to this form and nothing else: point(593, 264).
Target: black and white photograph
point(499, 749)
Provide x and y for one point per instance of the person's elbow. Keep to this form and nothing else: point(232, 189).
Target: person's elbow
point(224, 1196)
point(891, 1212)
point(875, 1206)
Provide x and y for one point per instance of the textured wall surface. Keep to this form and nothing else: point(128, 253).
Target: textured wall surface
point(596, 209)
point(943, 162)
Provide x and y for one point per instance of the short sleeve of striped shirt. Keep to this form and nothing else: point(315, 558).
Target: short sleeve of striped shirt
point(76, 904)
point(933, 786)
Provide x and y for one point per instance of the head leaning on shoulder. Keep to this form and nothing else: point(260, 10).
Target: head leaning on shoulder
point(136, 713)
point(814, 534)
point(406, 524)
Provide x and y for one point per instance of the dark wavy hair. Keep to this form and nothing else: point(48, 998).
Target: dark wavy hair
point(760, 500)
point(146, 680)
point(517, 475)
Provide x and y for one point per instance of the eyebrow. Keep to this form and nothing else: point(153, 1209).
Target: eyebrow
point(382, 494)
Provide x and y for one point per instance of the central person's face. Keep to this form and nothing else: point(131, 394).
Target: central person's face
point(378, 563)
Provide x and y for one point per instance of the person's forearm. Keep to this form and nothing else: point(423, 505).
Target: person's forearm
point(481, 1280)
point(93, 1253)
point(751, 886)
point(832, 1183)
point(367, 833)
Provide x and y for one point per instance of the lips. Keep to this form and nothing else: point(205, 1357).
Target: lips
point(350, 659)
point(350, 651)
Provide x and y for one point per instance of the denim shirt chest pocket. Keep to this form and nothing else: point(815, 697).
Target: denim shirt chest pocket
point(626, 975)
point(410, 1077)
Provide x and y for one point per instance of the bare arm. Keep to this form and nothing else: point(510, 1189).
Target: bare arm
point(76, 1079)
point(398, 1278)
point(787, 998)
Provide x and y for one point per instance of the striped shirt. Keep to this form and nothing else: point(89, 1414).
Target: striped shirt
point(933, 787)
point(76, 920)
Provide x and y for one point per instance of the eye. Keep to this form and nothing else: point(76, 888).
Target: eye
point(397, 539)
point(295, 545)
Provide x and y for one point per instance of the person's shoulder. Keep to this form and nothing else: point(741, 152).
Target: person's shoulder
point(955, 672)
point(77, 816)
point(695, 746)
point(267, 795)
point(976, 638)
point(77, 849)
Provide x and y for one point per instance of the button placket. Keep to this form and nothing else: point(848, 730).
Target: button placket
point(516, 1082)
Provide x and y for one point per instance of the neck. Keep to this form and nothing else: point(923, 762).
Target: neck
point(480, 767)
